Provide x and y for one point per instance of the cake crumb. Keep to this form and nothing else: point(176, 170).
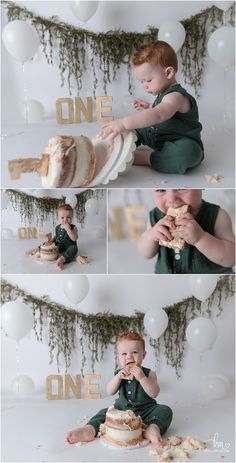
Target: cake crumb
point(163, 182)
point(213, 178)
point(79, 443)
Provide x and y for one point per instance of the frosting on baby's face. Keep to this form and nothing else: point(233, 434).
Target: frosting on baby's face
point(164, 199)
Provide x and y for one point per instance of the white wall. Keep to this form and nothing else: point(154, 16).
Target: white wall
point(129, 16)
point(121, 295)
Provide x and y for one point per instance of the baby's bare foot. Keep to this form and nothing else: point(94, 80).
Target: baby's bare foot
point(84, 434)
point(157, 443)
point(60, 263)
point(31, 252)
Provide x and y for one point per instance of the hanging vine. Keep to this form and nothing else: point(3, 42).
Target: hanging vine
point(108, 51)
point(40, 209)
point(67, 327)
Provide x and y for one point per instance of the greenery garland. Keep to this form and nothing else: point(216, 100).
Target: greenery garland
point(27, 204)
point(97, 331)
point(113, 48)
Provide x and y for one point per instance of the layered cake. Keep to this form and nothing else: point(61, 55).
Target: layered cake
point(77, 161)
point(71, 162)
point(48, 252)
point(176, 243)
point(121, 428)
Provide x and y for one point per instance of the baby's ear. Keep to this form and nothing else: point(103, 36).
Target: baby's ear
point(144, 354)
point(169, 72)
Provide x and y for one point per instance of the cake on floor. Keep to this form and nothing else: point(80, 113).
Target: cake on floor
point(48, 251)
point(122, 428)
point(77, 161)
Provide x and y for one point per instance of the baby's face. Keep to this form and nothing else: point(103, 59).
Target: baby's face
point(64, 216)
point(153, 77)
point(130, 351)
point(175, 198)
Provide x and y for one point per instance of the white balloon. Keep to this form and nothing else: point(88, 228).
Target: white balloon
point(155, 322)
point(84, 10)
point(216, 386)
point(173, 33)
point(91, 206)
point(71, 200)
point(32, 111)
point(6, 233)
point(224, 5)
point(4, 200)
point(202, 286)
point(201, 334)
point(76, 288)
point(21, 39)
point(16, 319)
point(23, 386)
point(221, 47)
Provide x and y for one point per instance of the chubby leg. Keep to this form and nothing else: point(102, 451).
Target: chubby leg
point(142, 157)
point(83, 434)
point(153, 434)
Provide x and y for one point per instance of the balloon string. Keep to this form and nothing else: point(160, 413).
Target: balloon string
point(200, 403)
point(18, 370)
point(25, 97)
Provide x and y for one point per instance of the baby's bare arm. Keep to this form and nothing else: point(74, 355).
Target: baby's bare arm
point(150, 385)
point(148, 244)
point(219, 248)
point(114, 384)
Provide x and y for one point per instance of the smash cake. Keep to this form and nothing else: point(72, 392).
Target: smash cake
point(48, 251)
point(77, 161)
point(122, 428)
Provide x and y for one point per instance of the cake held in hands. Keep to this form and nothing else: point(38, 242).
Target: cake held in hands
point(176, 243)
point(121, 428)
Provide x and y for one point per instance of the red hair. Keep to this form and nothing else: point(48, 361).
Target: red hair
point(65, 207)
point(158, 52)
point(130, 336)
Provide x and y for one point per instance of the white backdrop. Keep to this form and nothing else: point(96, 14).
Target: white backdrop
point(121, 295)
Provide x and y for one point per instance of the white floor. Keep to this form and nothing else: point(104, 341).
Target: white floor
point(33, 430)
point(14, 259)
point(22, 141)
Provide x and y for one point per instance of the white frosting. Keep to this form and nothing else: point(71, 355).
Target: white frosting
point(123, 435)
point(82, 163)
point(56, 153)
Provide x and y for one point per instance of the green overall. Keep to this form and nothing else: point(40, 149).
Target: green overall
point(189, 260)
point(133, 397)
point(67, 247)
point(176, 141)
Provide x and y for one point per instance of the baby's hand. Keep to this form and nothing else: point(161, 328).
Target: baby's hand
point(163, 230)
point(140, 104)
point(124, 372)
point(112, 128)
point(188, 229)
point(137, 372)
